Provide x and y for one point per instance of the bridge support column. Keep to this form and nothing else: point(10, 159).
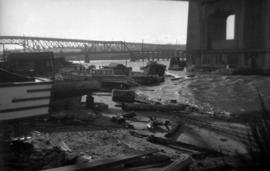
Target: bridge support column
point(86, 58)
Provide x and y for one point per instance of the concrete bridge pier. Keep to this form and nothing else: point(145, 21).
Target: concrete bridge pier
point(86, 58)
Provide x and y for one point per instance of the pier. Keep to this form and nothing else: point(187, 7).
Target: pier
point(229, 33)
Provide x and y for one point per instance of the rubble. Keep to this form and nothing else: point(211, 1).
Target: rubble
point(154, 123)
point(113, 164)
point(36, 153)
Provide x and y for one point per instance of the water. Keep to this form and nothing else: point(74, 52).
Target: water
point(135, 65)
point(211, 93)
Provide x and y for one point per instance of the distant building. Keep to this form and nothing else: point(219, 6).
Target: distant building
point(234, 33)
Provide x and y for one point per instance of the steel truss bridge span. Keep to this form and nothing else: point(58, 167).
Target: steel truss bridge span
point(70, 47)
point(44, 43)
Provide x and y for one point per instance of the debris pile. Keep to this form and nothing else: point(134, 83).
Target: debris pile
point(36, 152)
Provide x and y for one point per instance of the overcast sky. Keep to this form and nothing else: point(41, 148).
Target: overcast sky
point(153, 21)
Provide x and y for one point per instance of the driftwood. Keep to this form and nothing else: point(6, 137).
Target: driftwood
point(153, 107)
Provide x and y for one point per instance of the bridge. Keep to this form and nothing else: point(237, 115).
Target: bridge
point(246, 48)
point(93, 49)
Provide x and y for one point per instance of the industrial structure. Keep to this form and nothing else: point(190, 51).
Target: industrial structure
point(92, 49)
point(229, 33)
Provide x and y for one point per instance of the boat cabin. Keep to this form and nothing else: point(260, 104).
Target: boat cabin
point(112, 69)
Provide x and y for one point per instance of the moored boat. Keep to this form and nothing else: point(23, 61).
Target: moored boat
point(112, 76)
point(177, 64)
point(153, 73)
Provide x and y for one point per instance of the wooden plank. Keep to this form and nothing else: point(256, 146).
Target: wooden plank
point(167, 142)
point(180, 164)
point(101, 165)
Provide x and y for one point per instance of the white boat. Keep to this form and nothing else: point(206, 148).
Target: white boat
point(23, 97)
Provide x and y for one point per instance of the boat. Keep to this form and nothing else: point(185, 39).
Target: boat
point(119, 76)
point(110, 77)
point(23, 97)
point(114, 76)
point(153, 73)
point(177, 64)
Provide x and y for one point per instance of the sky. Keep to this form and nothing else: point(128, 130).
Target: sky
point(150, 21)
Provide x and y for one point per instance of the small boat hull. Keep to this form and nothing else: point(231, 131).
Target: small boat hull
point(148, 79)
